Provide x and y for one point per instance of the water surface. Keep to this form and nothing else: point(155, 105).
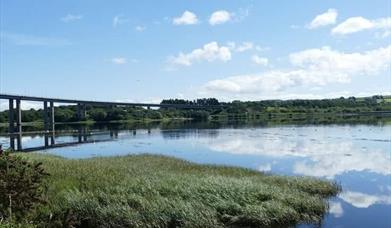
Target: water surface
point(356, 155)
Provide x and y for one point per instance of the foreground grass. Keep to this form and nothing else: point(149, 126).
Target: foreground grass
point(157, 191)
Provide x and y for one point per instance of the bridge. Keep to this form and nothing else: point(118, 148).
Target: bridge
point(15, 111)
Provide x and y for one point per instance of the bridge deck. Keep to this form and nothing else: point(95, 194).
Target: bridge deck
point(104, 103)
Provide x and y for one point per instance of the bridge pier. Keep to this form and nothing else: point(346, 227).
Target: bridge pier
point(15, 123)
point(19, 141)
point(52, 138)
point(18, 117)
point(46, 140)
point(81, 112)
point(46, 115)
point(11, 126)
point(51, 115)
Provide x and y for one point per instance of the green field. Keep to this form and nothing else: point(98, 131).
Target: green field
point(158, 191)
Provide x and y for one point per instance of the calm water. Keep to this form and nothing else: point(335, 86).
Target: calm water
point(356, 155)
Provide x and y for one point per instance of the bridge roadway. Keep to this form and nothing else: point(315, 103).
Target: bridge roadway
point(103, 103)
point(15, 112)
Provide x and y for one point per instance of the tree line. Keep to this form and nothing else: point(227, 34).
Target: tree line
point(245, 108)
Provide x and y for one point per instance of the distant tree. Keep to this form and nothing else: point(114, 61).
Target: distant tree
point(98, 114)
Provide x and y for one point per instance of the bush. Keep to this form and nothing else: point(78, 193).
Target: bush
point(21, 186)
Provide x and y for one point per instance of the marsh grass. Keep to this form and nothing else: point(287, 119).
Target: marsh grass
point(158, 191)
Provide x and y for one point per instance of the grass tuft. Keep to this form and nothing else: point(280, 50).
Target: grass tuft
point(158, 191)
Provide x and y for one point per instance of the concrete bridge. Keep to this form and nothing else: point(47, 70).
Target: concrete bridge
point(15, 111)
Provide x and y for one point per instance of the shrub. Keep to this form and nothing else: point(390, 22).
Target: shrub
point(21, 186)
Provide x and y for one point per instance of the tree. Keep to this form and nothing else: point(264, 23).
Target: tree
point(21, 186)
point(98, 114)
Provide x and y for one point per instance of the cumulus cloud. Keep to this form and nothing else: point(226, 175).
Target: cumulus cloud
point(265, 168)
point(119, 60)
point(357, 24)
point(187, 18)
point(312, 67)
point(25, 105)
point(260, 60)
point(220, 17)
point(332, 61)
point(209, 52)
point(319, 156)
point(71, 17)
point(327, 18)
point(244, 46)
point(336, 209)
point(344, 157)
point(363, 200)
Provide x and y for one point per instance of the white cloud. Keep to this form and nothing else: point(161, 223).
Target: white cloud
point(140, 28)
point(245, 46)
point(241, 14)
point(357, 24)
point(71, 17)
point(32, 40)
point(312, 67)
point(119, 19)
point(336, 209)
point(187, 18)
point(25, 105)
point(362, 200)
point(319, 155)
point(260, 60)
point(265, 168)
point(219, 17)
point(119, 60)
point(327, 18)
point(332, 61)
point(209, 52)
point(260, 49)
point(342, 158)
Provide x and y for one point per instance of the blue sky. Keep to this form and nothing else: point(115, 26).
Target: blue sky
point(150, 50)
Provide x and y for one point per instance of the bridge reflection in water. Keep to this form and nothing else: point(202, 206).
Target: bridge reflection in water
point(80, 136)
point(15, 116)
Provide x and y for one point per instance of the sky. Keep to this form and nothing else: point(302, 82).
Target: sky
point(145, 51)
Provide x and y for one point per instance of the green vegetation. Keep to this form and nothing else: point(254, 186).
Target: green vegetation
point(157, 191)
point(267, 109)
point(21, 187)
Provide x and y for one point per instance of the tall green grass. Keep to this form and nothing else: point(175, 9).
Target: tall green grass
point(158, 191)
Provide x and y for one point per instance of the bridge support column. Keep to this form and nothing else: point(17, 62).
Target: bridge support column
point(18, 117)
point(81, 112)
point(46, 115)
point(51, 116)
point(11, 125)
point(84, 112)
point(12, 142)
point(79, 135)
point(52, 138)
point(19, 141)
point(46, 140)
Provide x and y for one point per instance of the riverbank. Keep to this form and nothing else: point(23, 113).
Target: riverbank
point(91, 122)
point(269, 117)
point(150, 190)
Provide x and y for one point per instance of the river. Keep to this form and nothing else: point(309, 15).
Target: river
point(356, 154)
